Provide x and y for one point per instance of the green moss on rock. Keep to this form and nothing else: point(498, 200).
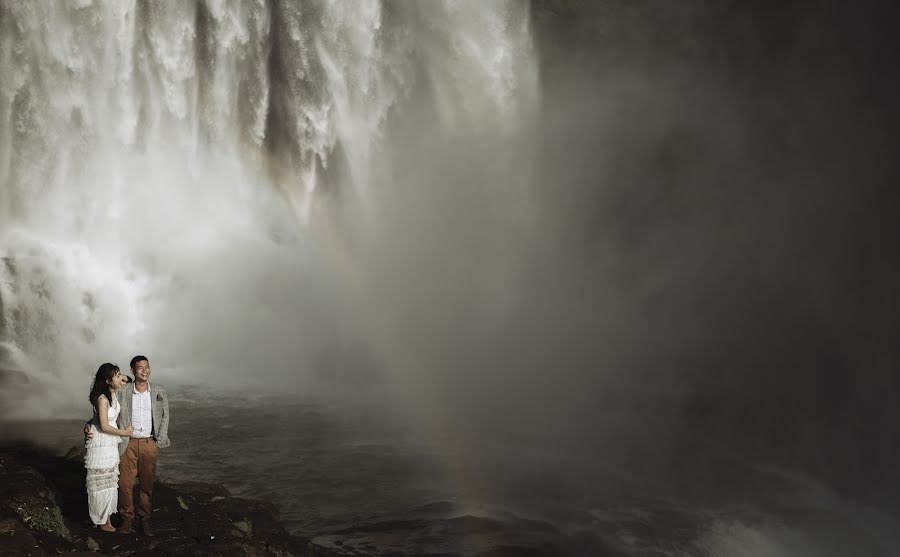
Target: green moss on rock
point(41, 514)
point(245, 526)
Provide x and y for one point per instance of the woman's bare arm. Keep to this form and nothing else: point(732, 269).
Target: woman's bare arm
point(103, 412)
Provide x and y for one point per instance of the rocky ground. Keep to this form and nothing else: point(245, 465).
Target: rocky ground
point(43, 511)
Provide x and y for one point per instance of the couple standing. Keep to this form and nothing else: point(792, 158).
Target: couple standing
point(130, 425)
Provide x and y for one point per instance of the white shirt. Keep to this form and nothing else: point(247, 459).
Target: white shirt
point(141, 413)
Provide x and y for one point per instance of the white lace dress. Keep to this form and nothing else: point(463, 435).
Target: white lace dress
point(102, 463)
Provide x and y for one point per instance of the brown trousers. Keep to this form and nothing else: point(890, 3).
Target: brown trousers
point(138, 461)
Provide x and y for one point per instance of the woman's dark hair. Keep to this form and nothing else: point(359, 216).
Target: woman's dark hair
point(104, 373)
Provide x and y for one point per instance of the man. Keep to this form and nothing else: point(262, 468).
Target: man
point(146, 407)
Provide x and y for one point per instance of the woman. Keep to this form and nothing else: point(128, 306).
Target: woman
point(102, 458)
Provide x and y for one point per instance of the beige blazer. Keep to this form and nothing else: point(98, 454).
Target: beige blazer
point(159, 407)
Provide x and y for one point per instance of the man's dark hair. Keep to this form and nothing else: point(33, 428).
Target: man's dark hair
point(137, 359)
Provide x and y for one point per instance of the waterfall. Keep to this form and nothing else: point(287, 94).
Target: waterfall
point(157, 159)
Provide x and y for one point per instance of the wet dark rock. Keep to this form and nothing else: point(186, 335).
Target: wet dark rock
point(476, 536)
point(43, 511)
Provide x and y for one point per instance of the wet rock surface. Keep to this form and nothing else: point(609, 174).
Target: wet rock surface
point(43, 511)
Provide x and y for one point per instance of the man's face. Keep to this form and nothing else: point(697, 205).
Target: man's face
point(141, 370)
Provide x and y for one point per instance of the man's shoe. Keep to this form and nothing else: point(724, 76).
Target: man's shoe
point(145, 528)
point(126, 527)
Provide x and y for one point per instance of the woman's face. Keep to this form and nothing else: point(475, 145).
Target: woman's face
point(117, 381)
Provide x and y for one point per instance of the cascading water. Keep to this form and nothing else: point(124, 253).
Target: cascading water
point(161, 160)
point(263, 191)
